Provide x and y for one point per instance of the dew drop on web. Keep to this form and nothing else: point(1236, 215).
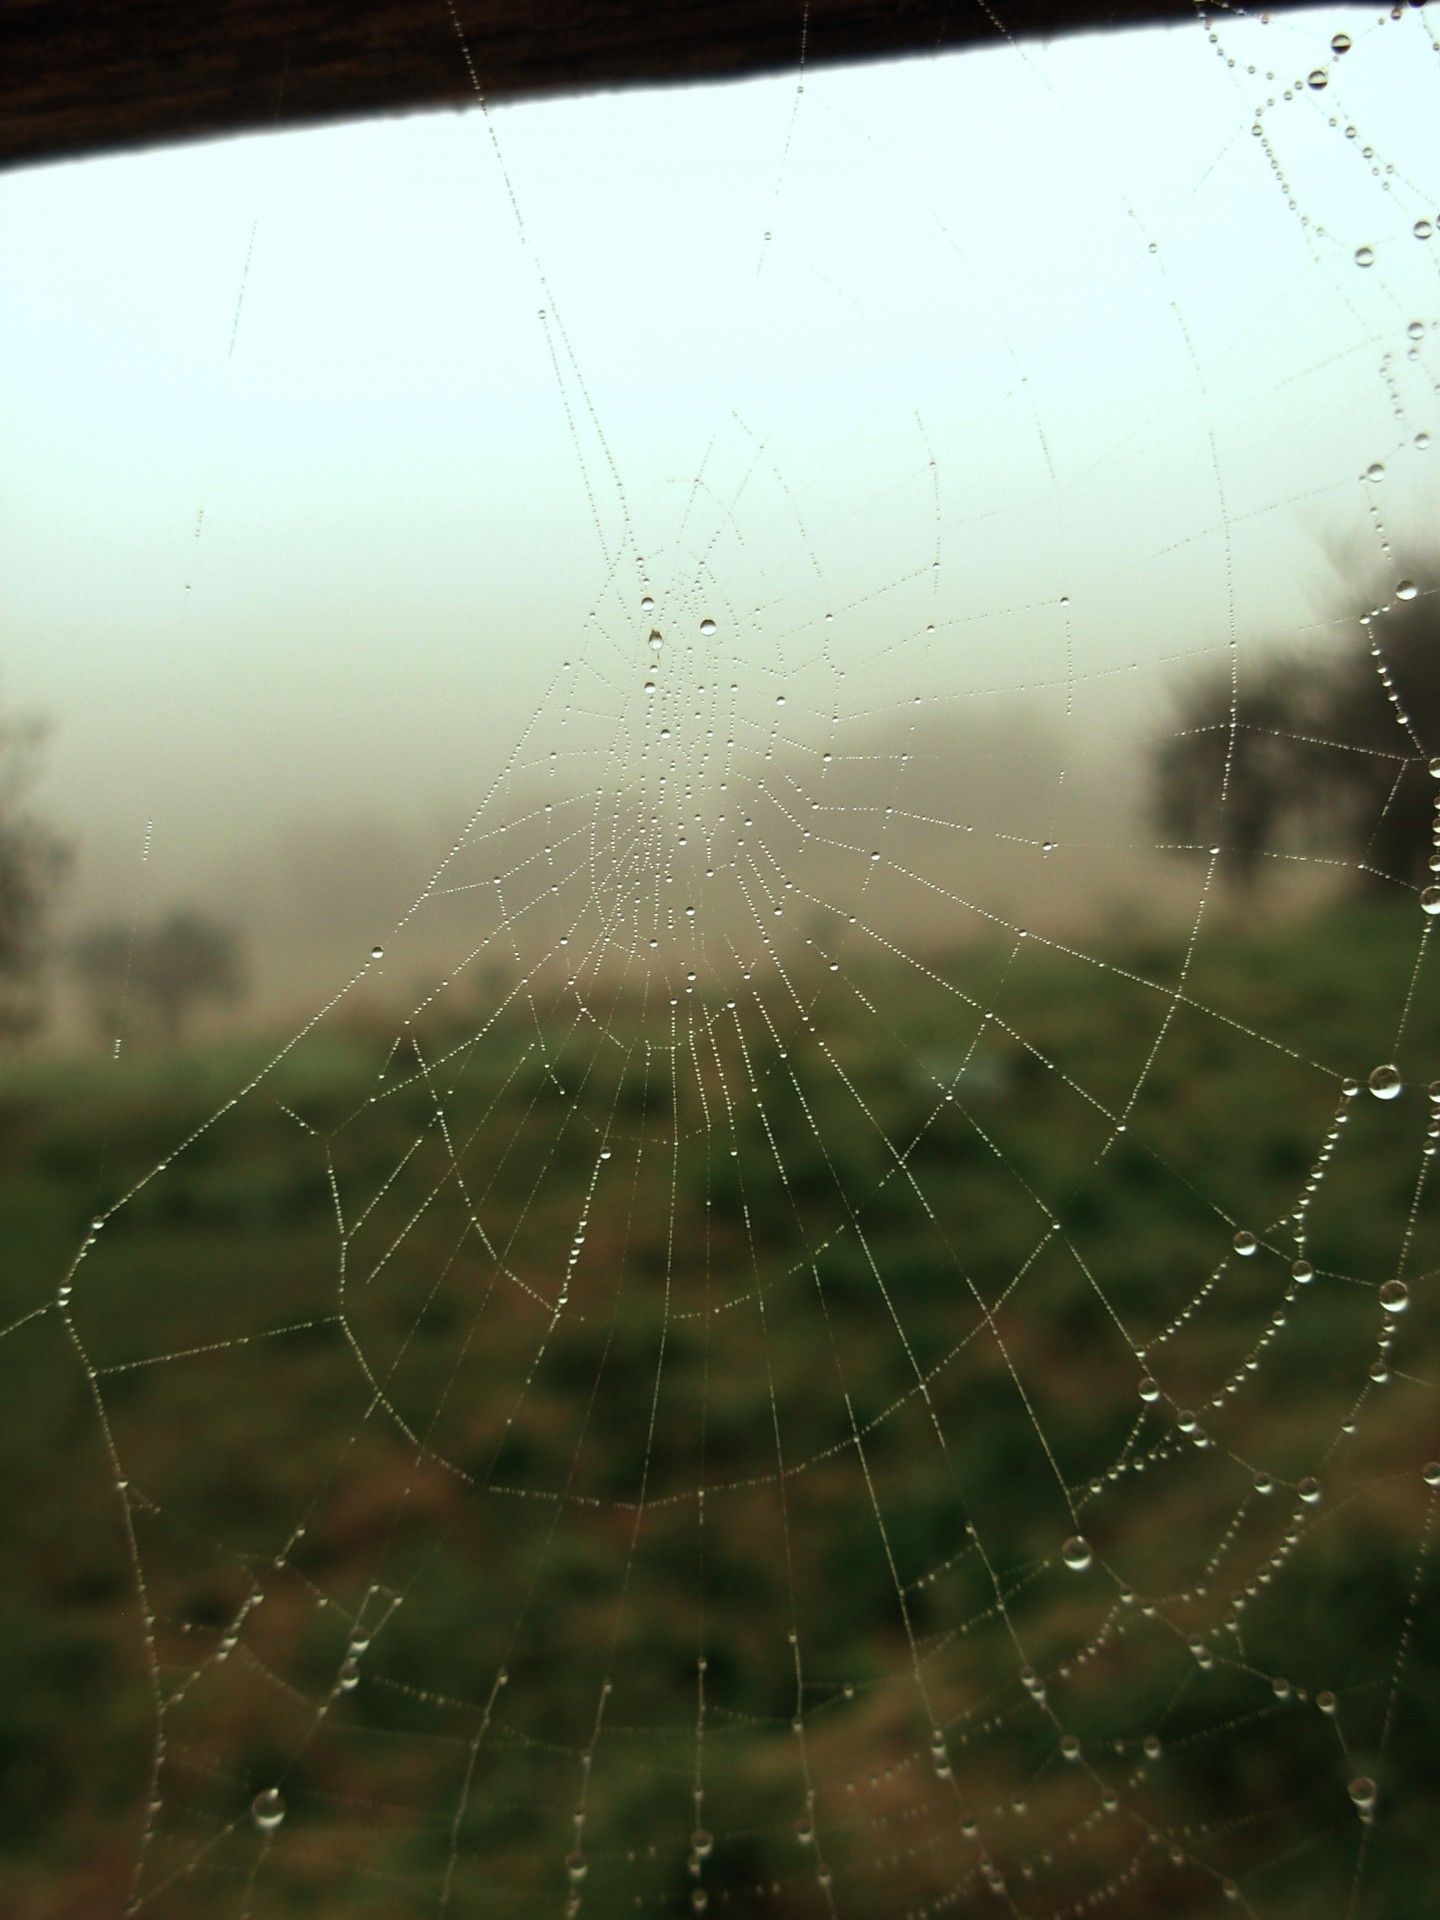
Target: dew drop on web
point(1386, 1083)
point(1076, 1553)
point(267, 1809)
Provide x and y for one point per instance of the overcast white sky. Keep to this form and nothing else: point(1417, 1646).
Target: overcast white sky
point(1067, 276)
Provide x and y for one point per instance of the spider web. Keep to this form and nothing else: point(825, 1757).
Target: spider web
point(824, 1361)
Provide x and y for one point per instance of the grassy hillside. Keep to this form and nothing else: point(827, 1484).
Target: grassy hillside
point(728, 1379)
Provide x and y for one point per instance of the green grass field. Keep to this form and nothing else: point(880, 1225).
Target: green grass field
point(597, 1347)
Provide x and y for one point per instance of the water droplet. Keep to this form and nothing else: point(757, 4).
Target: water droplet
point(1076, 1553)
point(707, 627)
point(1423, 230)
point(1264, 1484)
point(1149, 1390)
point(647, 605)
point(1375, 472)
point(1303, 1272)
point(1430, 900)
point(702, 1843)
point(377, 953)
point(1363, 1791)
point(1430, 1473)
point(1364, 256)
point(1325, 1700)
point(1309, 1490)
point(1406, 590)
point(576, 1865)
point(656, 642)
point(1245, 1243)
point(699, 1899)
point(1151, 1745)
point(267, 1809)
point(1319, 79)
point(1070, 1747)
point(1339, 43)
point(1394, 1296)
point(1385, 1083)
point(804, 1832)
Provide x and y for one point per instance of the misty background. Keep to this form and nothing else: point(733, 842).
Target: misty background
point(336, 485)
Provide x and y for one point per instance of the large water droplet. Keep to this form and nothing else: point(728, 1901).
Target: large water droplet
point(1318, 78)
point(1375, 472)
point(1430, 1473)
point(1309, 1490)
point(1364, 256)
point(1406, 590)
point(1430, 900)
point(1386, 1083)
point(1423, 229)
point(657, 641)
point(1394, 1296)
point(1245, 1243)
point(1151, 1744)
point(702, 1843)
point(267, 1809)
point(1149, 1390)
point(1339, 43)
point(1076, 1553)
point(1364, 1792)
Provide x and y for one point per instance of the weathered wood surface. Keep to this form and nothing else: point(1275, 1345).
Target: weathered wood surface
point(82, 76)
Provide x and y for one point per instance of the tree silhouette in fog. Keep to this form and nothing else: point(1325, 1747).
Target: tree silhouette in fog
point(32, 861)
point(1325, 753)
point(160, 974)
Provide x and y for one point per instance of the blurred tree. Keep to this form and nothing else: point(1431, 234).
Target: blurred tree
point(161, 973)
point(1327, 756)
point(32, 861)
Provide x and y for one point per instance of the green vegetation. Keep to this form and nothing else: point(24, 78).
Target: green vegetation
point(386, 1467)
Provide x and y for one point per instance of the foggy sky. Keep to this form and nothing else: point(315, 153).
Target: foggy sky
point(333, 488)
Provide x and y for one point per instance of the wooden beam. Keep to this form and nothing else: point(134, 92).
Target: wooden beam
point(86, 76)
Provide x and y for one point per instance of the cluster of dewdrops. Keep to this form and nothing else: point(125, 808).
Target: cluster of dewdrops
point(1385, 1083)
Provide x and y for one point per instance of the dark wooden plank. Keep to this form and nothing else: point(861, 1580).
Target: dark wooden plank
point(82, 76)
